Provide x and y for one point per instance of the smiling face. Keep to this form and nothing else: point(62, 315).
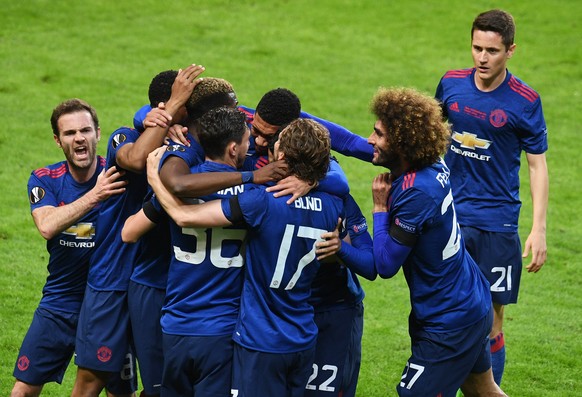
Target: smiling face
point(78, 138)
point(490, 58)
point(384, 155)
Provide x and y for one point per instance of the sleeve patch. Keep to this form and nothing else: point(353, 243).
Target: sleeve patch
point(118, 140)
point(403, 232)
point(36, 194)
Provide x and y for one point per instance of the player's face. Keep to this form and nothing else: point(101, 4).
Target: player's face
point(490, 59)
point(383, 154)
point(262, 132)
point(244, 148)
point(78, 138)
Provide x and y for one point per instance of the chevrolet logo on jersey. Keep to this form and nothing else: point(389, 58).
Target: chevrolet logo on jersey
point(470, 141)
point(82, 231)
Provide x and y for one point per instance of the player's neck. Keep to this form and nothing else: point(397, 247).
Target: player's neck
point(82, 174)
point(488, 85)
point(401, 168)
point(226, 161)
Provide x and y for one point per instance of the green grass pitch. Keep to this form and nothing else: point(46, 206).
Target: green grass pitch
point(334, 54)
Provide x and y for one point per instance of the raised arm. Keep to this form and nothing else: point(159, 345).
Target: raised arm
point(177, 178)
point(133, 156)
point(344, 141)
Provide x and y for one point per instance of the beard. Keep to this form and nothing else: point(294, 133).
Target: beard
point(81, 162)
point(389, 159)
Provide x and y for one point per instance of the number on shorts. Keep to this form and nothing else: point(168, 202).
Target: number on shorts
point(505, 274)
point(127, 370)
point(324, 386)
point(419, 370)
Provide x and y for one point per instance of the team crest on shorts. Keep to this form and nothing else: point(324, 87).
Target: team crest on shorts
point(23, 363)
point(104, 354)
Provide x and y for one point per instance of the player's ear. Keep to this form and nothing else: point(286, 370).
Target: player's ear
point(511, 50)
point(232, 149)
point(57, 140)
point(98, 134)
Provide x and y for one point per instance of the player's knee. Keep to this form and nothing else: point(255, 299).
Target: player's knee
point(22, 389)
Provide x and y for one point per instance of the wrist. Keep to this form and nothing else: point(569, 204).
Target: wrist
point(173, 106)
point(379, 208)
point(247, 177)
point(93, 197)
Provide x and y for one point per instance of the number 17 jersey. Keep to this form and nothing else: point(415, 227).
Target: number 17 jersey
point(275, 315)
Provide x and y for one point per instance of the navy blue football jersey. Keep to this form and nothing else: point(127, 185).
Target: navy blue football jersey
point(70, 250)
point(490, 129)
point(275, 315)
point(112, 264)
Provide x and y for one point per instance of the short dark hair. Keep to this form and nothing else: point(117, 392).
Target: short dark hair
point(306, 145)
point(414, 124)
point(210, 93)
point(218, 127)
point(497, 21)
point(160, 89)
point(279, 107)
point(72, 106)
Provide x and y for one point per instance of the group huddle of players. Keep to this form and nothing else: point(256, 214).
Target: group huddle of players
point(219, 245)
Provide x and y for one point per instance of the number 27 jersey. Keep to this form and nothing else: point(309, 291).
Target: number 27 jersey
point(447, 289)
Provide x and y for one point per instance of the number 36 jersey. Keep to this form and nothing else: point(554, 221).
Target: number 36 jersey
point(205, 274)
point(275, 315)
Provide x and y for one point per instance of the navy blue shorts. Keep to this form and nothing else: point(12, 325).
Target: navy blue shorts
point(47, 350)
point(270, 374)
point(498, 255)
point(103, 335)
point(47, 347)
point(198, 366)
point(441, 361)
point(338, 353)
point(145, 306)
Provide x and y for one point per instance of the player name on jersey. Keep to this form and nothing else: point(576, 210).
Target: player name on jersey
point(309, 203)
